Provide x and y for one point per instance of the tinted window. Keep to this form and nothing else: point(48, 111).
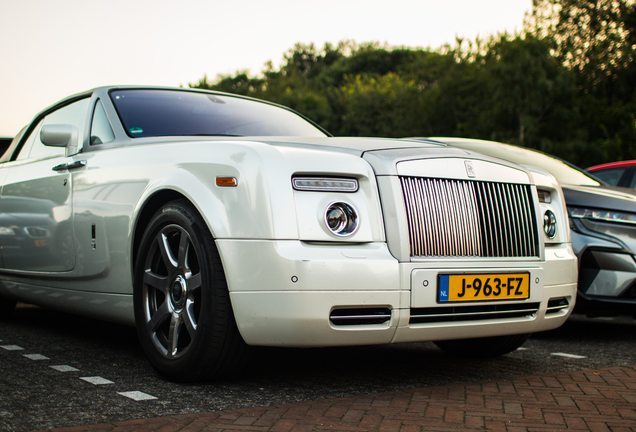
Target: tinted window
point(610, 176)
point(147, 113)
point(28, 145)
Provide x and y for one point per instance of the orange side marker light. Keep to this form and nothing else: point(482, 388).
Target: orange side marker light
point(226, 181)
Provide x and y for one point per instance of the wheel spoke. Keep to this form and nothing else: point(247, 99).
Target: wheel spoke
point(168, 259)
point(160, 315)
point(158, 282)
point(173, 333)
point(194, 281)
point(189, 319)
point(184, 242)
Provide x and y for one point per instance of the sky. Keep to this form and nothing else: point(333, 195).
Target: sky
point(50, 49)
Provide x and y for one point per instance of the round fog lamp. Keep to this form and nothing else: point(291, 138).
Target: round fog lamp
point(341, 219)
point(549, 224)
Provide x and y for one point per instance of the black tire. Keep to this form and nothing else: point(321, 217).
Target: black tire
point(483, 347)
point(182, 306)
point(6, 307)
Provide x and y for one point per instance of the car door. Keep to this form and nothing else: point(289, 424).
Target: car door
point(36, 198)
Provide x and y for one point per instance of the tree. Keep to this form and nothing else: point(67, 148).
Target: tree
point(596, 39)
point(240, 83)
point(529, 89)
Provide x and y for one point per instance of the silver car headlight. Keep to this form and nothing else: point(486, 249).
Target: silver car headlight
point(341, 219)
point(325, 184)
point(602, 215)
point(549, 224)
point(6, 231)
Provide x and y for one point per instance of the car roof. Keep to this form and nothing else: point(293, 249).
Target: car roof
point(613, 165)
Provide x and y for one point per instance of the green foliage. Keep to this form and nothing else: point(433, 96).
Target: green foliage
point(381, 106)
point(566, 85)
point(594, 38)
point(531, 92)
point(595, 41)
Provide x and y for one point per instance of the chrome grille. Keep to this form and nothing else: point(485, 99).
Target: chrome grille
point(448, 218)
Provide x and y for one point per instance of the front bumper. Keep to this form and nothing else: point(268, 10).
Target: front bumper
point(291, 293)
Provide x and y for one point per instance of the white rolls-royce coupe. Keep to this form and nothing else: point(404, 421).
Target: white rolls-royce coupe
point(215, 222)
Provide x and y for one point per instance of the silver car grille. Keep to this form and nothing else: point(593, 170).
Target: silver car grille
point(458, 218)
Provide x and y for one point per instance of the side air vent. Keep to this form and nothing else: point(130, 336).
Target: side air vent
point(472, 313)
point(557, 304)
point(360, 316)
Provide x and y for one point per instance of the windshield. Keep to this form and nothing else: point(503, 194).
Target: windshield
point(151, 113)
point(564, 173)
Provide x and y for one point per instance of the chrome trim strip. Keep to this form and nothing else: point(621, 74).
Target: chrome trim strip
point(352, 317)
point(512, 311)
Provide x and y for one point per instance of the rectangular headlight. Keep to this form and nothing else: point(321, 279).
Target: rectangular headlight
point(325, 184)
point(602, 215)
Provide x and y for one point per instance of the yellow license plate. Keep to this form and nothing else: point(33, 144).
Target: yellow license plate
point(483, 287)
point(40, 242)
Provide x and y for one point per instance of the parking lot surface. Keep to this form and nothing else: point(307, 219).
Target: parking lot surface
point(59, 370)
point(597, 400)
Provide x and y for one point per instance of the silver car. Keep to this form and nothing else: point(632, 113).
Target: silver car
point(602, 223)
point(215, 222)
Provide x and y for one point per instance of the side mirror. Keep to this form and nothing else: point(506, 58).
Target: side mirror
point(60, 136)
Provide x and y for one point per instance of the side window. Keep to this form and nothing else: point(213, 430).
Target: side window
point(101, 131)
point(632, 183)
point(73, 114)
point(28, 145)
point(610, 176)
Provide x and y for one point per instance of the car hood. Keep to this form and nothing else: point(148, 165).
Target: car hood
point(352, 145)
point(603, 197)
point(386, 155)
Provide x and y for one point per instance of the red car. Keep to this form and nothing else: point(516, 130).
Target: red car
point(616, 173)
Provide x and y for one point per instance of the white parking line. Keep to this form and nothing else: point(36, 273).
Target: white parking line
point(97, 380)
point(35, 356)
point(137, 395)
point(64, 368)
point(574, 356)
point(11, 347)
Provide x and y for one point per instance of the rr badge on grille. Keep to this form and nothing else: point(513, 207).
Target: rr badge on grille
point(470, 169)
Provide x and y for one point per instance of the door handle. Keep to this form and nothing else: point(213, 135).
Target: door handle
point(72, 165)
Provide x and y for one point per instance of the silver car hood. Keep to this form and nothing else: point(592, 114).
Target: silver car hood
point(603, 197)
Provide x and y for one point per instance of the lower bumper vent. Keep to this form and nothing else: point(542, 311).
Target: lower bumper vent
point(472, 313)
point(360, 316)
point(556, 305)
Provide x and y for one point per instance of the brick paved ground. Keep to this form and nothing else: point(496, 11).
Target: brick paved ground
point(595, 400)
